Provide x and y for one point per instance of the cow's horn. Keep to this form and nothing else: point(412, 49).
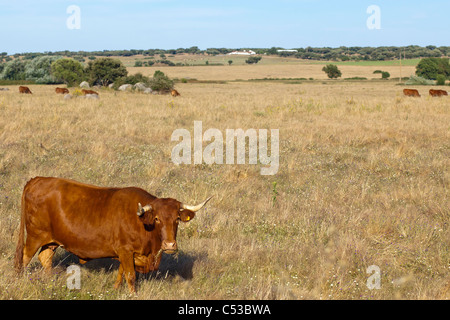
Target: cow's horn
point(195, 208)
point(142, 210)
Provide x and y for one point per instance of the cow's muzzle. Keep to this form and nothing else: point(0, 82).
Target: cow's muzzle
point(169, 247)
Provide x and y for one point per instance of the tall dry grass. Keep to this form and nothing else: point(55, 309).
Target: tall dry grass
point(363, 180)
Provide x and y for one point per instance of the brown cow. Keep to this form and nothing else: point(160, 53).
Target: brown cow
point(23, 89)
point(174, 93)
point(85, 92)
point(411, 93)
point(127, 224)
point(438, 93)
point(62, 90)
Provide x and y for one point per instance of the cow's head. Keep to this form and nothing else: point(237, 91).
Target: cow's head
point(164, 215)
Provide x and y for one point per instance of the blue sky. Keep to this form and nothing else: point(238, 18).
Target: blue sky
point(38, 26)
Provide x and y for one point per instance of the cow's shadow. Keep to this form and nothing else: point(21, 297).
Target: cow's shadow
point(171, 266)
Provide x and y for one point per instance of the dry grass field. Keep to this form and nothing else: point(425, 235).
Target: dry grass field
point(287, 70)
point(363, 180)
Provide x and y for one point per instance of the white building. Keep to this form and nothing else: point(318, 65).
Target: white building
point(243, 53)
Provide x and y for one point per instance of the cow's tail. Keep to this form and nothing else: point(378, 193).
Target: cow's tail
point(18, 259)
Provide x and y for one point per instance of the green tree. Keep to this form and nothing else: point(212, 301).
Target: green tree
point(253, 60)
point(193, 50)
point(39, 70)
point(430, 68)
point(332, 71)
point(104, 71)
point(14, 70)
point(68, 71)
point(230, 62)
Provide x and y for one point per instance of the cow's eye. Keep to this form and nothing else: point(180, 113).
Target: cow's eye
point(157, 220)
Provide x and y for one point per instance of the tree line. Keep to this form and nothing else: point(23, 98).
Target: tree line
point(342, 53)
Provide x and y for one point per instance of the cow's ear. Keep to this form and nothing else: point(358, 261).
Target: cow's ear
point(186, 215)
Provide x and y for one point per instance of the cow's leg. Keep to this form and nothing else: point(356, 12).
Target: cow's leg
point(119, 277)
point(46, 256)
point(32, 245)
point(126, 259)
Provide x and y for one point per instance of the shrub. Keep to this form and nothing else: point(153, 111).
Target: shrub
point(68, 71)
point(77, 93)
point(168, 62)
point(416, 80)
point(332, 71)
point(356, 78)
point(440, 80)
point(160, 82)
point(385, 75)
point(133, 79)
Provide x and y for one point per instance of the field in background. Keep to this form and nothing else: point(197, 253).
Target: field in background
point(198, 60)
point(246, 72)
point(363, 180)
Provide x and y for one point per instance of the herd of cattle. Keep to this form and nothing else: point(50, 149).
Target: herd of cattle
point(175, 93)
point(23, 89)
point(433, 93)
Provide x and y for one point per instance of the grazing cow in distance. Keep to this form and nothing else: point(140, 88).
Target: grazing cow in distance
point(411, 93)
point(174, 93)
point(438, 93)
point(62, 90)
point(85, 92)
point(23, 89)
point(127, 224)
